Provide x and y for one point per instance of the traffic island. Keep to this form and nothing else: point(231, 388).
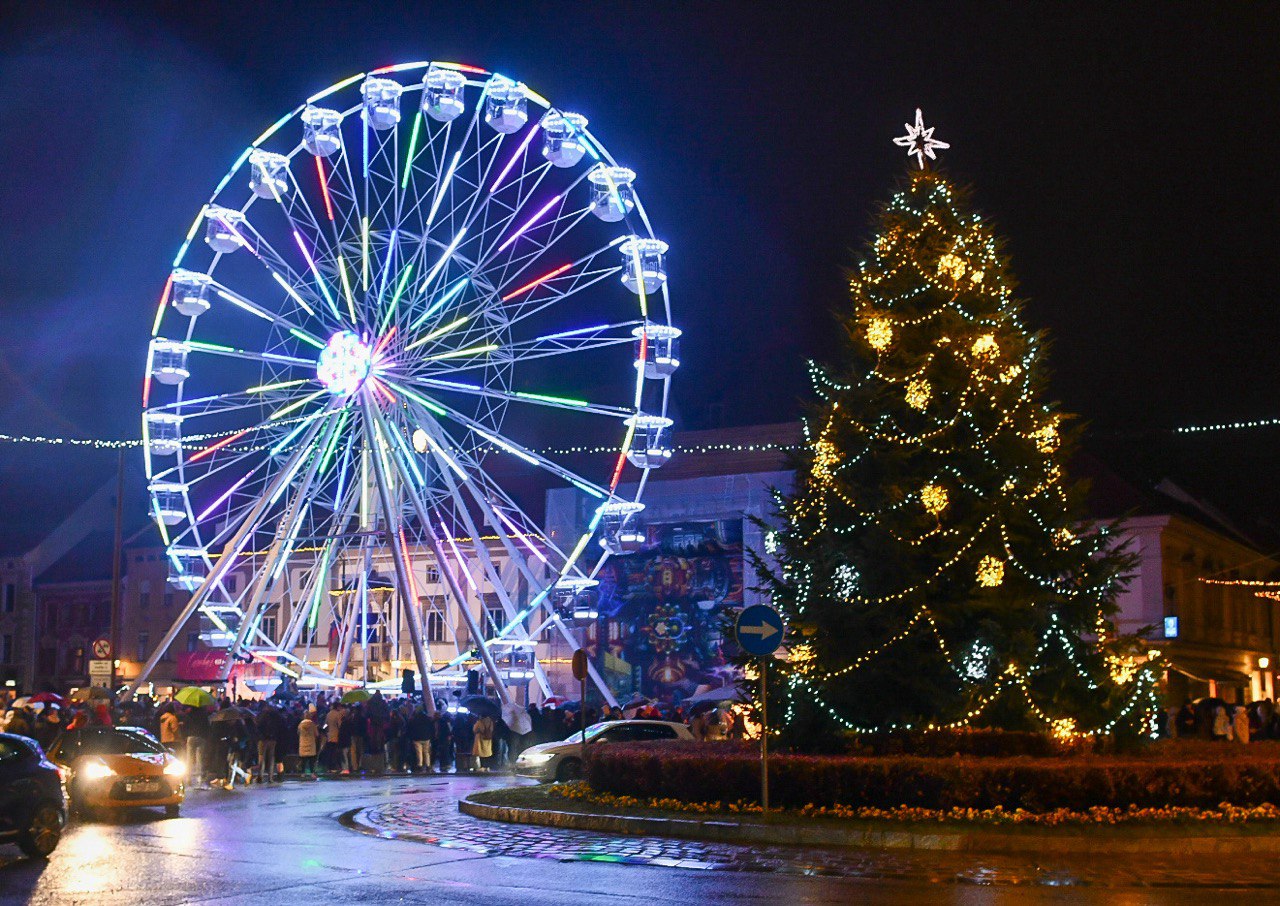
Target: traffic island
point(1226, 831)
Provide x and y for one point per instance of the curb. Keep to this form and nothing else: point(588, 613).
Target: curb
point(866, 835)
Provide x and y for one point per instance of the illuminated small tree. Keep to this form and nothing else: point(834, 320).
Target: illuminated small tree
point(934, 561)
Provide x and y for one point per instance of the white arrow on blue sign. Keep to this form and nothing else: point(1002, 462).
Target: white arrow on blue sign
point(759, 630)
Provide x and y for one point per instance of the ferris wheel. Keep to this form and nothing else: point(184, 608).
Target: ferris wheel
point(416, 284)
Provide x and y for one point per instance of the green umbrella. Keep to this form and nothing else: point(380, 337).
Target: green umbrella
point(356, 695)
point(194, 697)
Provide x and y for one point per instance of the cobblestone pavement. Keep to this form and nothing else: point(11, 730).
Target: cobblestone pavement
point(430, 815)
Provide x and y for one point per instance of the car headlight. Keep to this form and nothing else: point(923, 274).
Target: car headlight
point(175, 768)
point(96, 770)
point(536, 757)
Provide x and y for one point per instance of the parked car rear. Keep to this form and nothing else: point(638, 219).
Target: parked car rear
point(33, 804)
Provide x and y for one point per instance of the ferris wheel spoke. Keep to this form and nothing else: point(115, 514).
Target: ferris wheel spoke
point(265, 313)
point(520, 396)
point(509, 446)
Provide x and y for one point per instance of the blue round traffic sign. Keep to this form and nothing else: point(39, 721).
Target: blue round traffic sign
point(759, 630)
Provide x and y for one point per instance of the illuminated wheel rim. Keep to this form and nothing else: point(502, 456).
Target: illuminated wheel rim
point(404, 288)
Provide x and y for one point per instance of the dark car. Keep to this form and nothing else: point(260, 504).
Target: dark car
point(33, 808)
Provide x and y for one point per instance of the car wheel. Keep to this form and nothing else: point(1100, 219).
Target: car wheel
point(570, 769)
point(172, 811)
point(42, 835)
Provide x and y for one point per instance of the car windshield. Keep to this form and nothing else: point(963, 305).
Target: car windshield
point(121, 741)
point(592, 732)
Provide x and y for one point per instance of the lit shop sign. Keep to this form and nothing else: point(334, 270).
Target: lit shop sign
point(1170, 627)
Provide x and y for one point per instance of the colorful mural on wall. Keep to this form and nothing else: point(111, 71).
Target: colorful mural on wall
point(669, 600)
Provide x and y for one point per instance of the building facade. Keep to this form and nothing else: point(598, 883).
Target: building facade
point(1219, 637)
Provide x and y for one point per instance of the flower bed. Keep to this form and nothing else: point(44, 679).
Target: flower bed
point(1197, 777)
point(1225, 813)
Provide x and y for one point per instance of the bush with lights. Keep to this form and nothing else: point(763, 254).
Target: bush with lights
point(934, 561)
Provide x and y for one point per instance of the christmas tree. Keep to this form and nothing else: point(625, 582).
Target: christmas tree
point(934, 561)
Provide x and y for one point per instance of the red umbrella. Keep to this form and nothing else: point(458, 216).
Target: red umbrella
point(49, 698)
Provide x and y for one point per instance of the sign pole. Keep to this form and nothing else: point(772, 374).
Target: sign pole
point(580, 674)
point(760, 630)
point(764, 734)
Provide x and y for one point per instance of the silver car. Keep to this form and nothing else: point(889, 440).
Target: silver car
point(562, 760)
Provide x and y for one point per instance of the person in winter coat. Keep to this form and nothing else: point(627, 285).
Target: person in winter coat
point(169, 730)
point(335, 751)
point(420, 731)
point(308, 744)
point(444, 741)
point(1221, 723)
point(1240, 723)
point(482, 742)
point(268, 723)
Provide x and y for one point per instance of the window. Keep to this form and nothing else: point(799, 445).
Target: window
point(193, 641)
point(432, 575)
point(12, 751)
point(144, 600)
point(168, 598)
point(268, 626)
point(494, 620)
point(144, 645)
point(435, 626)
point(6, 648)
point(10, 597)
point(229, 583)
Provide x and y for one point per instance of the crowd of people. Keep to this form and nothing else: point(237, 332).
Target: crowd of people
point(1213, 718)
point(246, 741)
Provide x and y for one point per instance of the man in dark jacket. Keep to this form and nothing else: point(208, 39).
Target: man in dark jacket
point(421, 731)
point(269, 725)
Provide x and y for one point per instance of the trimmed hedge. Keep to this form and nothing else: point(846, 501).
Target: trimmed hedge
point(981, 742)
point(701, 772)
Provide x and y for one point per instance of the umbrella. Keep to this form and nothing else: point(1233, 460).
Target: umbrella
point(554, 701)
point(49, 698)
point(517, 719)
point(194, 697)
point(20, 702)
point(356, 695)
point(479, 705)
point(723, 694)
point(231, 714)
point(88, 693)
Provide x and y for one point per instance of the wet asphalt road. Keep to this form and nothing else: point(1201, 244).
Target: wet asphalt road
point(285, 844)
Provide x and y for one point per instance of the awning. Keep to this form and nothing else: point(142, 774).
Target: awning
point(1204, 671)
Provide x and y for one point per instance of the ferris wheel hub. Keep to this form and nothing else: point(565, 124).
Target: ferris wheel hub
point(344, 363)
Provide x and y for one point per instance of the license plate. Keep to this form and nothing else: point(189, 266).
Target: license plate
point(142, 787)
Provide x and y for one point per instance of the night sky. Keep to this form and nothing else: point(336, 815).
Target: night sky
point(1124, 151)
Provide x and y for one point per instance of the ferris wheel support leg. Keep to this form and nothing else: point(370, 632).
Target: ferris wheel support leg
point(225, 562)
point(605, 692)
point(403, 575)
point(493, 520)
point(451, 580)
point(257, 600)
point(509, 607)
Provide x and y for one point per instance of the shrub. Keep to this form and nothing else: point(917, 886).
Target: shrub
point(699, 772)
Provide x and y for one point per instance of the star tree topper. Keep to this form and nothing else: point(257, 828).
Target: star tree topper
point(919, 140)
